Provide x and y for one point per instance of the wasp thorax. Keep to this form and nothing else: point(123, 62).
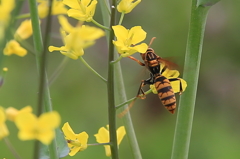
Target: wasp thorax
point(150, 50)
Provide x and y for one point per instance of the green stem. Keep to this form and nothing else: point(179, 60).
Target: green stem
point(110, 88)
point(121, 18)
point(95, 72)
point(27, 15)
point(99, 144)
point(11, 148)
point(121, 93)
point(58, 70)
point(105, 9)
point(44, 99)
point(191, 72)
point(119, 58)
point(100, 25)
point(132, 99)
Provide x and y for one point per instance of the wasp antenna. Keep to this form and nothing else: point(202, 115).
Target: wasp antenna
point(151, 41)
point(124, 112)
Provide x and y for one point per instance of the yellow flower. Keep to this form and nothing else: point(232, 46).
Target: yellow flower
point(42, 128)
point(170, 74)
point(12, 113)
point(6, 7)
point(127, 40)
point(103, 137)
point(126, 6)
point(13, 47)
point(3, 128)
point(76, 142)
point(78, 38)
point(57, 8)
point(24, 31)
point(5, 69)
point(81, 9)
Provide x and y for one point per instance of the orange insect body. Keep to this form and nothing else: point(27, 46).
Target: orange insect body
point(165, 93)
point(163, 85)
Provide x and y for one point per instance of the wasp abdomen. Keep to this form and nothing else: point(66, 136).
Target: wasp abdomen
point(165, 93)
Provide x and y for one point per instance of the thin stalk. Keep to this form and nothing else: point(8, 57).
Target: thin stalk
point(106, 12)
point(44, 100)
point(100, 25)
point(58, 70)
point(118, 59)
point(121, 18)
point(120, 90)
point(26, 15)
point(95, 72)
point(132, 99)
point(11, 148)
point(99, 144)
point(191, 72)
point(110, 88)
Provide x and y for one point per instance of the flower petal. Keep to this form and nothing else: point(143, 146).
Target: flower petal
point(3, 128)
point(46, 136)
point(85, 2)
point(120, 134)
point(120, 32)
point(176, 85)
point(142, 48)
point(53, 48)
point(171, 73)
point(49, 120)
point(74, 150)
point(107, 150)
point(83, 139)
point(26, 123)
point(102, 136)
point(13, 47)
point(90, 10)
point(24, 31)
point(77, 14)
point(68, 132)
point(72, 4)
point(137, 34)
point(127, 6)
point(65, 24)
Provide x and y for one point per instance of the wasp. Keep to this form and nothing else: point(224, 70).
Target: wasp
point(162, 84)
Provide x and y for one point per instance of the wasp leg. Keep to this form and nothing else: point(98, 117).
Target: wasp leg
point(139, 62)
point(177, 79)
point(141, 93)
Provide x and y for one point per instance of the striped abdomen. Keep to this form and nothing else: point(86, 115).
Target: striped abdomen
point(165, 93)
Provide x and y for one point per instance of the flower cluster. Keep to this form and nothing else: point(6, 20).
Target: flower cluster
point(57, 8)
point(78, 142)
point(82, 10)
point(23, 32)
point(127, 40)
point(30, 127)
point(6, 7)
point(77, 39)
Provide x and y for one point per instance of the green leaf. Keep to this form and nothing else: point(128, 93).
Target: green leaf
point(62, 147)
point(206, 3)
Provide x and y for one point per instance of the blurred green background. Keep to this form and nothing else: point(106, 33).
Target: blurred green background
point(81, 98)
